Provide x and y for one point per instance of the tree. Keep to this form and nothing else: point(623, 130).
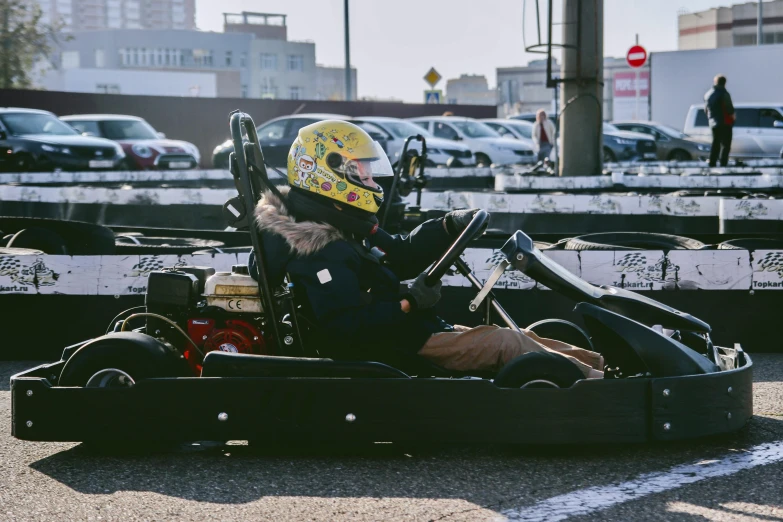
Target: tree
point(24, 40)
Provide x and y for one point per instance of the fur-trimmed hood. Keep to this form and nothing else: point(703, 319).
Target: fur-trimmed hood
point(303, 237)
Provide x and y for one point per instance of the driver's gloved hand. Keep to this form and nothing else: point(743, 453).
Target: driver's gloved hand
point(422, 296)
point(458, 220)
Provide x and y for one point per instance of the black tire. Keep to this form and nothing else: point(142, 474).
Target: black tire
point(562, 330)
point(538, 370)
point(80, 238)
point(42, 239)
point(609, 156)
point(138, 355)
point(679, 155)
point(752, 243)
point(6, 251)
point(632, 241)
point(482, 160)
point(163, 245)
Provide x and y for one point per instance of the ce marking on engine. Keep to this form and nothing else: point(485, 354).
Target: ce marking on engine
point(235, 304)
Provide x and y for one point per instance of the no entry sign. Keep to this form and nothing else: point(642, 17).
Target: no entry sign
point(637, 56)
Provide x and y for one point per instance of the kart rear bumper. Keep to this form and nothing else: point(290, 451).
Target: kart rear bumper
point(388, 409)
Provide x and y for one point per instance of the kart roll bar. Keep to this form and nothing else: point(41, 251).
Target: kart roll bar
point(251, 187)
point(398, 173)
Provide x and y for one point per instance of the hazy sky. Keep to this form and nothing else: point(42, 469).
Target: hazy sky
point(395, 42)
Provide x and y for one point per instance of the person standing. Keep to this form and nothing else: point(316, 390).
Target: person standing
point(720, 111)
point(543, 135)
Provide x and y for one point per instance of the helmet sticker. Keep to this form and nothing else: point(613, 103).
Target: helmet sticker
point(306, 163)
point(320, 150)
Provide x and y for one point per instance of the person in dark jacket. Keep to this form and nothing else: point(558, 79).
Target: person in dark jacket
point(322, 234)
point(720, 111)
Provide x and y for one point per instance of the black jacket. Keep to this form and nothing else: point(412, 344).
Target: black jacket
point(351, 297)
point(718, 105)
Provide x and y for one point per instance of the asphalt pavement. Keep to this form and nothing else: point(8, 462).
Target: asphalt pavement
point(736, 477)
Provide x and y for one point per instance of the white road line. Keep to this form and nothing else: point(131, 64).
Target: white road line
point(599, 498)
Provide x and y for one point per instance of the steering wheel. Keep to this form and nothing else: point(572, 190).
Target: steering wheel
point(476, 227)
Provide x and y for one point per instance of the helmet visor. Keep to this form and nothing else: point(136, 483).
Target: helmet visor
point(364, 171)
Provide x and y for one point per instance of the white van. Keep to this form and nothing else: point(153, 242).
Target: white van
point(758, 129)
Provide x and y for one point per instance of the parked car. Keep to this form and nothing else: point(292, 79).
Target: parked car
point(618, 145)
point(395, 131)
point(758, 129)
point(514, 129)
point(627, 146)
point(33, 140)
point(672, 144)
point(488, 146)
point(276, 137)
point(145, 148)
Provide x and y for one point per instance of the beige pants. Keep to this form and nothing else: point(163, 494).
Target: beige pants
point(489, 348)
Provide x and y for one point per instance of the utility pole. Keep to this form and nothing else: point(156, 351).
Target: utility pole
point(348, 93)
point(582, 73)
point(760, 25)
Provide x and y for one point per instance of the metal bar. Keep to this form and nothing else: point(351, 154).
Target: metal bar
point(487, 288)
point(549, 81)
point(249, 196)
point(760, 24)
point(463, 269)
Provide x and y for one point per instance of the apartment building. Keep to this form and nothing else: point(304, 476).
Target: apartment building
point(94, 15)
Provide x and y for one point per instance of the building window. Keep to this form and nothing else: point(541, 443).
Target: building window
point(100, 58)
point(243, 60)
point(268, 91)
point(268, 62)
point(295, 62)
point(70, 60)
point(107, 88)
point(295, 93)
point(244, 91)
point(744, 39)
point(202, 57)
point(228, 58)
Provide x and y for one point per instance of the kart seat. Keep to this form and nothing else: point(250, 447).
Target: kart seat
point(225, 364)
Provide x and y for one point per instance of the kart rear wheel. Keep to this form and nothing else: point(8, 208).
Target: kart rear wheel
point(538, 370)
point(121, 360)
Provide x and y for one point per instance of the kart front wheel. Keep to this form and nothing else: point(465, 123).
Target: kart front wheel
point(538, 370)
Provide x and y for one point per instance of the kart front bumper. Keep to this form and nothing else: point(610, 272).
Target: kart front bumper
point(389, 409)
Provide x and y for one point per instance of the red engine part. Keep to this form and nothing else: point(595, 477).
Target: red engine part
point(235, 336)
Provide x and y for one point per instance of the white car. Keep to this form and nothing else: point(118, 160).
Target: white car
point(758, 129)
point(489, 147)
point(395, 131)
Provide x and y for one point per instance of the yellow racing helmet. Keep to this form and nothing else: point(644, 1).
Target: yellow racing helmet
point(340, 161)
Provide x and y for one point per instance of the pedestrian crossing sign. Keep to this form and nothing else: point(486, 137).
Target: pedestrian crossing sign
point(433, 97)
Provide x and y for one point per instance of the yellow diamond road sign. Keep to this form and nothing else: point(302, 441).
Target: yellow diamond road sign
point(432, 77)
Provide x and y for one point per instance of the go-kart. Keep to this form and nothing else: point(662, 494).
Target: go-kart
point(221, 356)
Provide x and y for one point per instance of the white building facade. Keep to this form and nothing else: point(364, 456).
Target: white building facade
point(730, 26)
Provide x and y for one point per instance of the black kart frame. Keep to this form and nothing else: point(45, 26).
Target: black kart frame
point(308, 400)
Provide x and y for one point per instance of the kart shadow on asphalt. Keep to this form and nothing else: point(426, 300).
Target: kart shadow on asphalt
point(237, 474)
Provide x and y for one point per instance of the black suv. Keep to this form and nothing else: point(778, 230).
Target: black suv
point(33, 140)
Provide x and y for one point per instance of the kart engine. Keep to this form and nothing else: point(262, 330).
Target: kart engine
point(217, 310)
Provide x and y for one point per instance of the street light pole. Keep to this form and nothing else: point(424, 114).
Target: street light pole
point(348, 93)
